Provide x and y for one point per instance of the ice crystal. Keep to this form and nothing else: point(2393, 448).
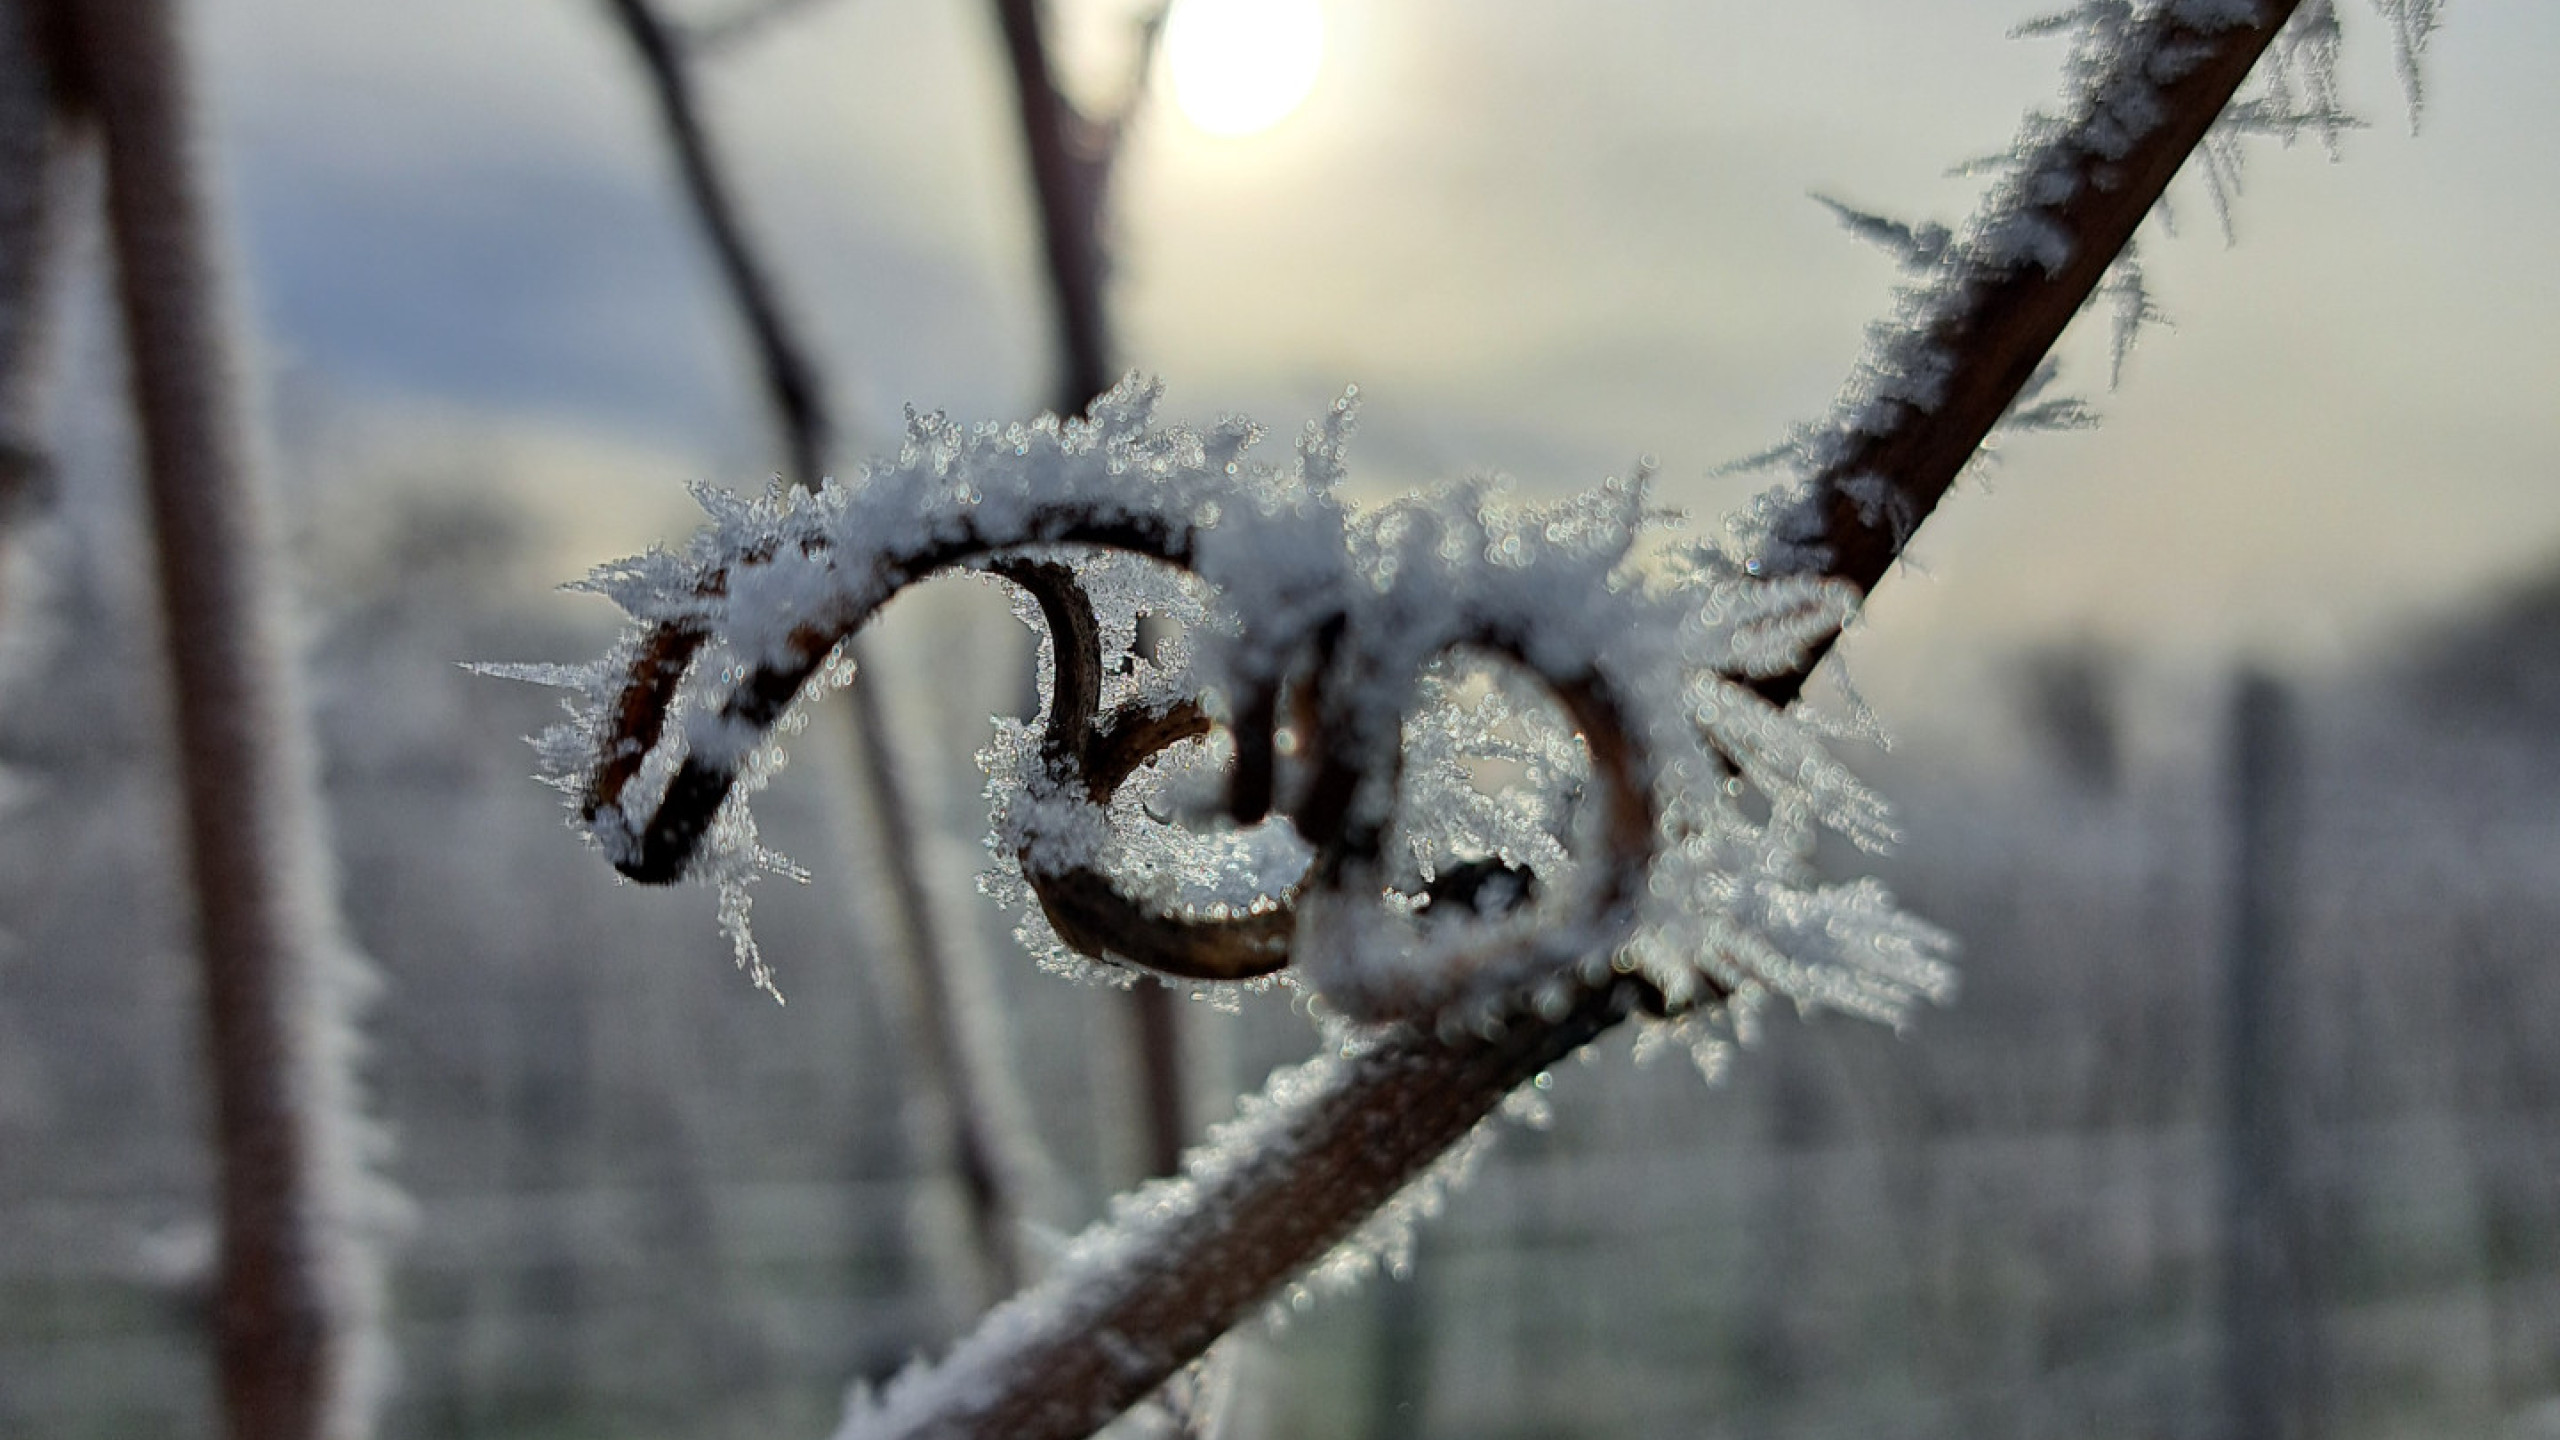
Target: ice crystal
point(2413, 23)
point(2128, 292)
point(1917, 246)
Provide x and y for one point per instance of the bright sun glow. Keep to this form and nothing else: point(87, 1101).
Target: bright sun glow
point(1240, 66)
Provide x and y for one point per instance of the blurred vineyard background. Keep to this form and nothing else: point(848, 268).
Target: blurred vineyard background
point(2296, 803)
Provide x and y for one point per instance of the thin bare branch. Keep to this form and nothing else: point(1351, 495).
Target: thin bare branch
point(796, 393)
point(1146, 36)
point(1114, 1323)
point(939, 1046)
point(1069, 155)
point(709, 39)
point(791, 384)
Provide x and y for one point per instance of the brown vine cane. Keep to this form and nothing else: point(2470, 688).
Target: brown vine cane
point(1089, 755)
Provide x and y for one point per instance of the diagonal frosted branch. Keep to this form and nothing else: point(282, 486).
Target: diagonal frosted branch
point(1324, 1146)
point(1970, 339)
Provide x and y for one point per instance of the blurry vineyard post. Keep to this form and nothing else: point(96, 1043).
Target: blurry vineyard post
point(296, 1310)
point(31, 155)
point(1063, 1359)
point(2274, 1360)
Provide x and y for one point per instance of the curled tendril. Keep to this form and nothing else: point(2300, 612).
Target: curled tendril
point(1092, 755)
point(1089, 755)
point(1329, 655)
point(664, 844)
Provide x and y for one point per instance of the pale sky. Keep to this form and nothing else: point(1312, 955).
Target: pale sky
point(1542, 238)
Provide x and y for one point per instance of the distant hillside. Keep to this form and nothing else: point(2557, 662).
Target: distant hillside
point(2499, 662)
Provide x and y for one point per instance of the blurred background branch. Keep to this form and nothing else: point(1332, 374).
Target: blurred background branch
point(954, 1074)
point(32, 159)
point(297, 1299)
point(1069, 156)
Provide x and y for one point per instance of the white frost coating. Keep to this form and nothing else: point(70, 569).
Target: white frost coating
point(1916, 247)
point(2128, 290)
point(1384, 1241)
point(2216, 14)
point(731, 858)
point(2298, 90)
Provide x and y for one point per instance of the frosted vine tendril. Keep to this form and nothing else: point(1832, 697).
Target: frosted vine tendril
point(1326, 652)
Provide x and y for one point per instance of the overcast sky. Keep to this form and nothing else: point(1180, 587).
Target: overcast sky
point(1544, 238)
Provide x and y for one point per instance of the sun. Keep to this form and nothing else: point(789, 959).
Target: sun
point(1240, 67)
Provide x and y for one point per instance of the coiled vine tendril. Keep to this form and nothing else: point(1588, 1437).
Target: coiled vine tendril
point(1330, 629)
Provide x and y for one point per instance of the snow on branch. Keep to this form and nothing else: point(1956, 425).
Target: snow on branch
point(2146, 83)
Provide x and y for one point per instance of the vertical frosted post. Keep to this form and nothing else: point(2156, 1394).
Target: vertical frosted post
point(297, 1326)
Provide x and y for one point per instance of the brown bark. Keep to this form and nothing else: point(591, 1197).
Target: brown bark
point(296, 1323)
point(1068, 156)
point(790, 378)
point(1062, 1360)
